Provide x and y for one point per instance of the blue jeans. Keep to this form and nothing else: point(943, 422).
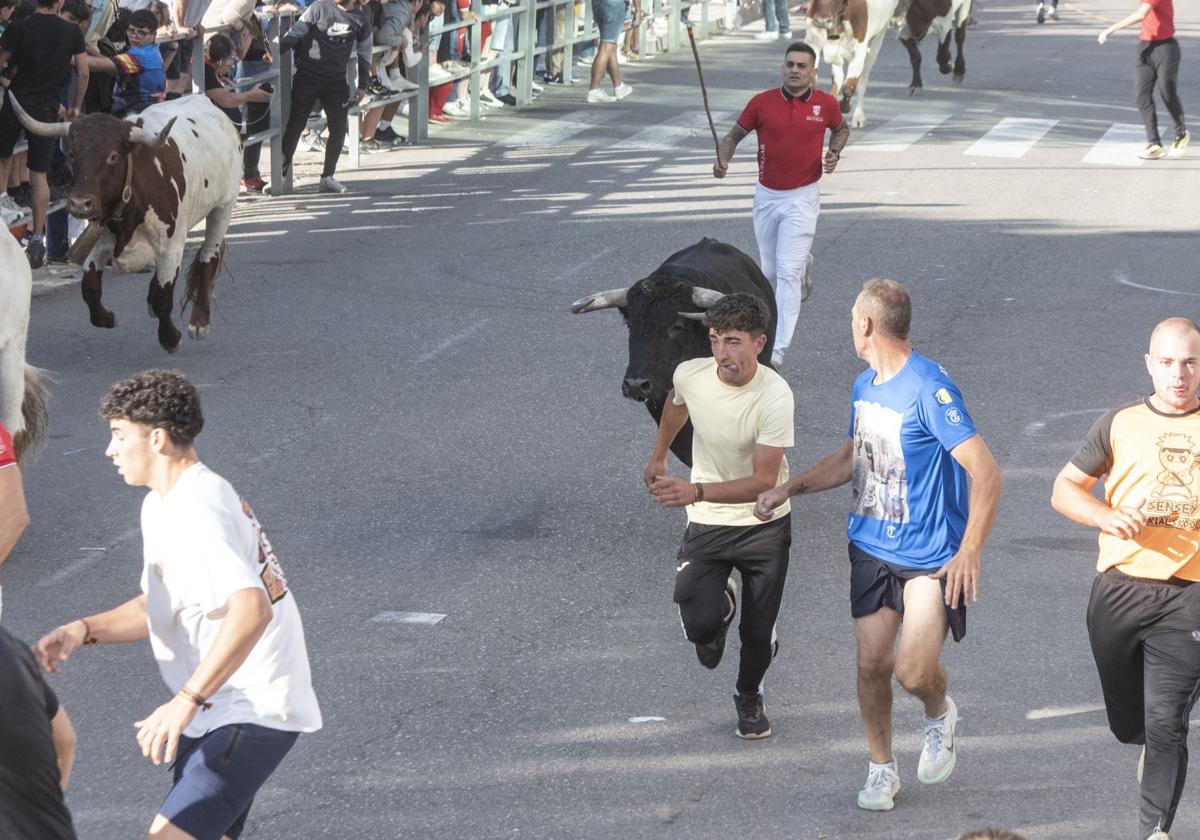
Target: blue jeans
point(775, 16)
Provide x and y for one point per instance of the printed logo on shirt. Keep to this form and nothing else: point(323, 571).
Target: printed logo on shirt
point(891, 532)
point(953, 416)
point(1175, 498)
point(816, 110)
point(880, 484)
point(943, 396)
point(336, 30)
point(270, 572)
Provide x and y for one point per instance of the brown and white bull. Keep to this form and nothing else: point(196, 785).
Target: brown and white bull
point(847, 35)
point(939, 19)
point(144, 183)
point(22, 396)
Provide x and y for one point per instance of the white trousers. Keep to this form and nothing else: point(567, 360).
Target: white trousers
point(785, 222)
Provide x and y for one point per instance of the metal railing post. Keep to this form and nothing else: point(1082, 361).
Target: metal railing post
point(528, 59)
point(351, 117)
point(476, 35)
point(281, 106)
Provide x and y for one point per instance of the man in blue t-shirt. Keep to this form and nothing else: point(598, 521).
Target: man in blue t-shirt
point(925, 493)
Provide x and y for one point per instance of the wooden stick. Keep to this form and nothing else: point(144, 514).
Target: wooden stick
point(704, 91)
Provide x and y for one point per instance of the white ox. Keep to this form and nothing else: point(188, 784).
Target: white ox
point(144, 183)
point(22, 397)
point(847, 35)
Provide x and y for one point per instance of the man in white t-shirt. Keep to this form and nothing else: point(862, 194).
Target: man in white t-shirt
point(741, 413)
point(217, 609)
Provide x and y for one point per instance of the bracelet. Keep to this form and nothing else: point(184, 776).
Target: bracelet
point(698, 490)
point(194, 697)
point(88, 638)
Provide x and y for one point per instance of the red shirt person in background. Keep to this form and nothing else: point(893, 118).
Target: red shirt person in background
point(13, 516)
point(1157, 65)
point(790, 122)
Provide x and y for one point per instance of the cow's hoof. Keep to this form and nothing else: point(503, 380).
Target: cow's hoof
point(913, 91)
point(198, 333)
point(958, 78)
point(945, 69)
point(169, 341)
point(105, 320)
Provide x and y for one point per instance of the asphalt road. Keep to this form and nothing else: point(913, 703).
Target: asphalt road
point(395, 381)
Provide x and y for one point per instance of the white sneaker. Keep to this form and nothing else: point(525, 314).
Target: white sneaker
point(536, 89)
point(1054, 16)
point(938, 756)
point(1041, 12)
point(621, 59)
point(1158, 834)
point(768, 35)
point(787, 33)
point(329, 184)
point(879, 794)
point(806, 283)
point(487, 99)
point(438, 75)
point(596, 95)
point(622, 90)
point(459, 109)
point(776, 359)
point(402, 84)
point(585, 60)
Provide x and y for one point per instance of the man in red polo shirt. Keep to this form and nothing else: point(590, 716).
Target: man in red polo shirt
point(791, 122)
point(1157, 64)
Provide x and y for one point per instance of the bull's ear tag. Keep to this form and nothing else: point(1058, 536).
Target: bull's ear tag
point(127, 193)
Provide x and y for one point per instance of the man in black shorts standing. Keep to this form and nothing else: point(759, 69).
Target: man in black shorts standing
point(1144, 610)
point(42, 47)
point(742, 414)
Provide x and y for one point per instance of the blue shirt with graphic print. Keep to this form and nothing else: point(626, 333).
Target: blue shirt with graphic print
point(910, 495)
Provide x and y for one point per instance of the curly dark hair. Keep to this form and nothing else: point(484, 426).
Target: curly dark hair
point(160, 399)
point(740, 311)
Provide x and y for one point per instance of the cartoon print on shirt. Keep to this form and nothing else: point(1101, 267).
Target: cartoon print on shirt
point(271, 572)
point(880, 485)
point(1179, 477)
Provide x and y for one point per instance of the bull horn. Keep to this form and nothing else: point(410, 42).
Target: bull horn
point(600, 300)
point(41, 129)
point(137, 134)
point(705, 298)
point(692, 316)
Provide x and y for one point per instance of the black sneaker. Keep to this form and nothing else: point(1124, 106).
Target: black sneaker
point(36, 252)
point(376, 90)
point(752, 719)
point(710, 653)
point(389, 137)
point(508, 99)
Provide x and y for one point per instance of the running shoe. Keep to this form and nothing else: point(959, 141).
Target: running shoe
point(378, 90)
point(329, 184)
point(1179, 146)
point(459, 109)
point(938, 756)
point(10, 209)
point(766, 35)
point(752, 719)
point(36, 253)
point(1153, 151)
point(806, 283)
point(622, 90)
point(879, 794)
point(710, 653)
point(254, 185)
point(1041, 13)
point(597, 95)
point(787, 33)
point(777, 359)
point(1053, 14)
point(1159, 834)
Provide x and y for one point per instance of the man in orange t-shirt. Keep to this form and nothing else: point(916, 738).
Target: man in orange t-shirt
point(1157, 64)
point(1144, 614)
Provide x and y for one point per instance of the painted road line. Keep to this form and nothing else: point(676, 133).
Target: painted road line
point(685, 130)
point(898, 134)
point(451, 341)
point(1011, 138)
point(1125, 281)
point(646, 719)
point(1062, 711)
point(554, 132)
point(408, 618)
point(1119, 146)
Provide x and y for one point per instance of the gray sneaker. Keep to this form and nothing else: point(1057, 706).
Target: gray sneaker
point(329, 184)
point(938, 756)
point(879, 794)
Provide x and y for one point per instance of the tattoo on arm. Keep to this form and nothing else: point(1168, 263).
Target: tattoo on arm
point(839, 139)
point(729, 143)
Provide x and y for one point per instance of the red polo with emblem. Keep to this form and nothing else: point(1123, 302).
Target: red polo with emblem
point(6, 449)
point(1159, 22)
point(791, 135)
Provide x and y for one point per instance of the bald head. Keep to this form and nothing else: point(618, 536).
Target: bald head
point(887, 305)
point(1175, 328)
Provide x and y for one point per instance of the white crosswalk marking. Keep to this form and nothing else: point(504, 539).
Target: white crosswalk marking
point(1011, 138)
point(898, 134)
point(553, 132)
point(682, 130)
point(1119, 146)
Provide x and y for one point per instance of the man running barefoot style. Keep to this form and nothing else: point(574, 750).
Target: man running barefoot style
point(791, 122)
point(221, 620)
point(742, 413)
point(916, 531)
point(1143, 617)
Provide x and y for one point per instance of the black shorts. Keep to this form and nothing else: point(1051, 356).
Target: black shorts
point(876, 583)
point(181, 63)
point(41, 149)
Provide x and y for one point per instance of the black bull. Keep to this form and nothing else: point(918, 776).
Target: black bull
point(663, 310)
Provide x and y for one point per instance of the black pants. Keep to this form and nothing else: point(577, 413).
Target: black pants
point(258, 118)
point(1158, 64)
point(1145, 638)
point(707, 556)
point(334, 96)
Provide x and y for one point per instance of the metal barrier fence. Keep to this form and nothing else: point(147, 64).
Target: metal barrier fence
point(577, 30)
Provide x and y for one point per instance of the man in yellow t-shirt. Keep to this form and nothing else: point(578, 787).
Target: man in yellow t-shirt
point(742, 416)
point(1144, 615)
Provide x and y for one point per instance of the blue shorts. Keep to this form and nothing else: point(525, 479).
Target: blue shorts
point(217, 776)
point(610, 18)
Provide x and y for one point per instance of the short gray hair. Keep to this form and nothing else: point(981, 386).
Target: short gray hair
point(888, 305)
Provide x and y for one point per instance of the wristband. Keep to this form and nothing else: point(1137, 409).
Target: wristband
point(88, 638)
point(194, 697)
point(698, 489)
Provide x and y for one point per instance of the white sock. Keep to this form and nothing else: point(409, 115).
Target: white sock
point(394, 74)
point(887, 765)
point(385, 124)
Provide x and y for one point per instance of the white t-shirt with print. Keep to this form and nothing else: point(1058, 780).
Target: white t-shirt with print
point(201, 545)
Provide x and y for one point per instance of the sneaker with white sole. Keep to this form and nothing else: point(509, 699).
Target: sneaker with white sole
point(938, 754)
point(1041, 12)
point(329, 184)
point(10, 209)
point(1179, 146)
point(459, 109)
point(1053, 15)
point(438, 75)
point(766, 35)
point(585, 60)
point(622, 90)
point(1159, 834)
point(488, 100)
point(883, 783)
point(710, 653)
point(1153, 151)
point(596, 95)
point(752, 717)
